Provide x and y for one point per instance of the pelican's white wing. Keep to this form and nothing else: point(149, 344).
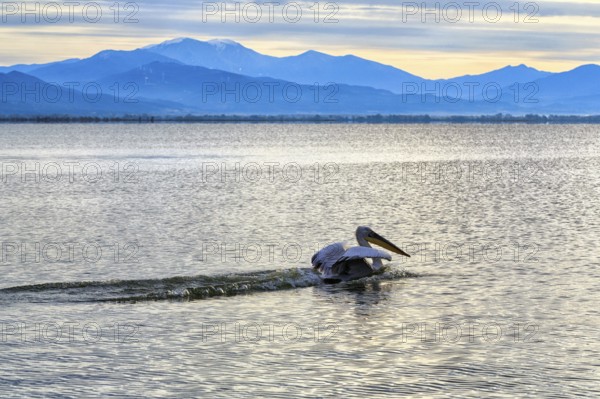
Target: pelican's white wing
point(364, 252)
point(338, 258)
point(328, 256)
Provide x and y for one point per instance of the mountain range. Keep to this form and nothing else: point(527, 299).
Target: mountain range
point(186, 76)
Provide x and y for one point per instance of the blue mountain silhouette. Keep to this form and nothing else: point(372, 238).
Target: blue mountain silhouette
point(221, 76)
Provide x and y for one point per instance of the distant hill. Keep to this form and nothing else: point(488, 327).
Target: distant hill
point(23, 94)
point(306, 68)
point(184, 75)
point(96, 67)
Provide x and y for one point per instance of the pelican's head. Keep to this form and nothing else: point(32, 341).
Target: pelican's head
point(367, 234)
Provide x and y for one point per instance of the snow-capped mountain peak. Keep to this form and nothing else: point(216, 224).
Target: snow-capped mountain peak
point(222, 42)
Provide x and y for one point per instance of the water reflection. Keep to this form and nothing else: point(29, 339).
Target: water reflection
point(387, 176)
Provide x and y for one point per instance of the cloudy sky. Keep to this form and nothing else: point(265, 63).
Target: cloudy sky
point(434, 41)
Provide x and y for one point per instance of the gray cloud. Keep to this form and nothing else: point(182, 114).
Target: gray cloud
point(361, 26)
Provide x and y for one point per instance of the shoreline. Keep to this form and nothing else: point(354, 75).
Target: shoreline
point(332, 119)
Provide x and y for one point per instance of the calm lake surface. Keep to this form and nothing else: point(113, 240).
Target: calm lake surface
point(173, 260)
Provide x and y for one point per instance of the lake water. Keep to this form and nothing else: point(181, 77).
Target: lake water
point(173, 260)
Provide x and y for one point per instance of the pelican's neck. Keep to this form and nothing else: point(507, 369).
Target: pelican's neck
point(377, 263)
point(360, 238)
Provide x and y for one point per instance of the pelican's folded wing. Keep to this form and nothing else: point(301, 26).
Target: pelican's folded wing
point(328, 256)
point(364, 252)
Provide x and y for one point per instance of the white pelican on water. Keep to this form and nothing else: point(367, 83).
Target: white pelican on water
point(342, 262)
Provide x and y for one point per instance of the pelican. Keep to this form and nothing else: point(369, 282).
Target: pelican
point(342, 262)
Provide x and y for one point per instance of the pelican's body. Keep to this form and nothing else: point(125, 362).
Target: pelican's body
point(342, 262)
